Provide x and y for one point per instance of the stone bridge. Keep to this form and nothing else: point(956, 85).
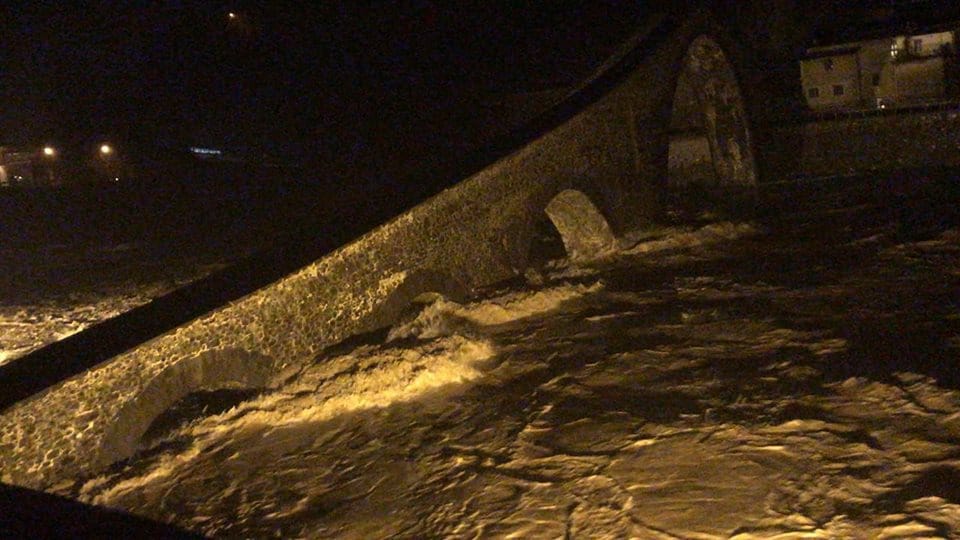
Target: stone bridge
point(667, 110)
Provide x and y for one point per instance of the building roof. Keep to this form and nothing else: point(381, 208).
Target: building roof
point(827, 52)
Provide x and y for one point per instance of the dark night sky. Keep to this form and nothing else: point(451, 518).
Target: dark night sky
point(289, 77)
point(282, 76)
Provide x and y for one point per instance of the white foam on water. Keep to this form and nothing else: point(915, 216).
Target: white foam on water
point(444, 317)
point(368, 377)
point(710, 234)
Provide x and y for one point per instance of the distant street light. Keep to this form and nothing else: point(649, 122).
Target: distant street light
point(49, 151)
point(106, 149)
point(231, 16)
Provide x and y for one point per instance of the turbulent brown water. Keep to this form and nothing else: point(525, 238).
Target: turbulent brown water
point(729, 380)
point(49, 292)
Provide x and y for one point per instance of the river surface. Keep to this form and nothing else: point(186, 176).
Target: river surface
point(787, 378)
point(51, 291)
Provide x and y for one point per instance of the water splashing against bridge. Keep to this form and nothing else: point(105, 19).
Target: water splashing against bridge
point(721, 380)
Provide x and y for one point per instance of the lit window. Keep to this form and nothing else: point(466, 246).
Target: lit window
point(838, 89)
point(813, 92)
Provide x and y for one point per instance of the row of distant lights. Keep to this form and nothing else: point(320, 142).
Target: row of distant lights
point(51, 152)
point(106, 149)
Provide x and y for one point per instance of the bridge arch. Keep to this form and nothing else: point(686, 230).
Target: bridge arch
point(569, 225)
point(582, 228)
point(212, 370)
point(710, 138)
point(417, 287)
